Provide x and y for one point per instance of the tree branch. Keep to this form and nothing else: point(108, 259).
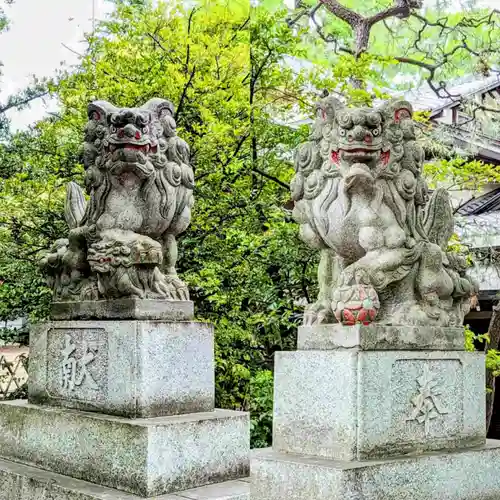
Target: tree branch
point(401, 9)
point(345, 14)
point(433, 58)
point(271, 178)
point(188, 49)
point(184, 92)
point(17, 103)
point(162, 47)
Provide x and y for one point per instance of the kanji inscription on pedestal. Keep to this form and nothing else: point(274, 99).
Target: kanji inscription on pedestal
point(75, 371)
point(427, 403)
point(77, 363)
point(427, 399)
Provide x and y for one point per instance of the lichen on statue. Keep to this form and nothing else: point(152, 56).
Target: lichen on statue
point(360, 199)
point(122, 242)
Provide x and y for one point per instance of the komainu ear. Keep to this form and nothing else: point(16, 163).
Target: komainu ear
point(162, 112)
point(100, 111)
point(397, 110)
point(159, 108)
point(328, 108)
point(326, 111)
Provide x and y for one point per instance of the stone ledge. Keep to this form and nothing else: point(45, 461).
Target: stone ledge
point(144, 309)
point(379, 337)
point(461, 475)
point(21, 482)
point(145, 457)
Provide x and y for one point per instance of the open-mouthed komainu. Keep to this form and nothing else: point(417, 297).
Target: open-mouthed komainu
point(122, 242)
point(361, 199)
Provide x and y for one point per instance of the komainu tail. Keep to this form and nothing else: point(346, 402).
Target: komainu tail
point(438, 219)
point(74, 208)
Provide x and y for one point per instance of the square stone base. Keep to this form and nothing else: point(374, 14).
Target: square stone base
point(21, 482)
point(125, 368)
point(363, 405)
point(145, 457)
point(462, 475)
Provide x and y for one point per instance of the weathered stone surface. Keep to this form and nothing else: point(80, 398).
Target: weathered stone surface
point(21, 482)
point(462, 475)
point(123, 242)
point(126, 308)
point(127, 368)
point(230, 490)
point(361, 197)
point(145, 457)
point(379, 337)
point(356, 405)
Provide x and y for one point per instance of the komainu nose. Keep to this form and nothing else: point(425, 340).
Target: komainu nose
point(359, 133)
point(129, 130)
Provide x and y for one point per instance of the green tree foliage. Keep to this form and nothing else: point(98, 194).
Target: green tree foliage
point(246, 269)
point(408, 42)
point(226, 70)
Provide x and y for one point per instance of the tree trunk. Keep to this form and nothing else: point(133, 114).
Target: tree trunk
point(362, 33)
point(494, 334)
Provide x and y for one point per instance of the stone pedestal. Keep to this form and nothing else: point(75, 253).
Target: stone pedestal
point(146, 457)
point(360, 413)
point(131, 368)
point(127, 405)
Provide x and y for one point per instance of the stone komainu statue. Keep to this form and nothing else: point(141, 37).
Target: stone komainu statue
point(122, 242)
point(360, 198)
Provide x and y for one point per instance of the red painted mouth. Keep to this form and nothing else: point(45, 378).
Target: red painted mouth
point(146, 148)
point(352, 152)
point(359, 150)
point(384, 155)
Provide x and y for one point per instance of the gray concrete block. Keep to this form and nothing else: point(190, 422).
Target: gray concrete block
point(125, 368)
point(126, 308)
point(356, 405)
point(379, 337)
point(461, 475)
point(145, 457)
point(21, 482)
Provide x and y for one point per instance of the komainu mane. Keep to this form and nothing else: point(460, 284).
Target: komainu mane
point(361, 199)
point(122, 243)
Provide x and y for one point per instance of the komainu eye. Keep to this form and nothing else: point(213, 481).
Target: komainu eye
point(145, 130)
point(112, 129)
point(342, 132)
point(376, 132)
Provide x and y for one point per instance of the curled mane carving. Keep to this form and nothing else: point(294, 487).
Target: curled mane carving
point(140, 187)
point(360, 197)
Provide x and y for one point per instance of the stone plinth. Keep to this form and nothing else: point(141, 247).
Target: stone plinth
point(466, 475)
point(145, 457)
point(379, 337)
point(125, 308)
point(361, 414)
point(21, 482)
point(356, 405)
point(127, 368)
